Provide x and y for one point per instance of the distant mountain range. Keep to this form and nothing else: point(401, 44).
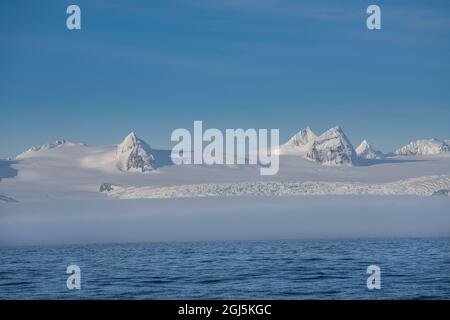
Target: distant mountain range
point(331, 148)
point(132, 169)
point(334, 148)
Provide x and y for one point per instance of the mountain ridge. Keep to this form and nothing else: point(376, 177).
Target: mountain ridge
point(423, 147)
point(332, 147)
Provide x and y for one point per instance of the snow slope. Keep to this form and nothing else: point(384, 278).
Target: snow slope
point(39, 150)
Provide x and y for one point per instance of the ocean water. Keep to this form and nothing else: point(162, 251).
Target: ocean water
point(284, 269)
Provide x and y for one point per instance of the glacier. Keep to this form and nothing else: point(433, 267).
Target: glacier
point(70, 192)
point(421, 186)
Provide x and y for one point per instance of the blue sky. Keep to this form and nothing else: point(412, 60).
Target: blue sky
point(153, 66)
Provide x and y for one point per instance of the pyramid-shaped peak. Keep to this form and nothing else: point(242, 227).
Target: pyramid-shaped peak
point(366, 151)
point(134, 154)
point(332, 148)
point(131, 137)
point(132, 141)
point(364, 145)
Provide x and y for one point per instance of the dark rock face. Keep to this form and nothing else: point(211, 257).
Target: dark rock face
point(106, 187)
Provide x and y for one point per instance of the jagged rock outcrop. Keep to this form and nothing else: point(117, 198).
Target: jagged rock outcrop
point(106, 186)
point(365, 152)
point(332, 148)
point(133, 154)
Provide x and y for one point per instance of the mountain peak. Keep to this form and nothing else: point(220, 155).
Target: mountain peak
point(332, 132)
point(364, 143)
point(332, 148)
point(133, 154)
point(301, 139)
point(308, 129)
point(363, 146)
point(365, 151)
point(132, 135)
point(131, 138)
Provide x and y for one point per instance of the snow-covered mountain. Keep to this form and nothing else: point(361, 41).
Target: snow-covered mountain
point(53, 193)
point(365, 151)
point(48, 146)
point(133, 154)
point(332, 148)
point(68, 170)
point(301, 142)
point(423, 147)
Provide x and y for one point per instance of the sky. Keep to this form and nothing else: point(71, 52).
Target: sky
point(154, 66)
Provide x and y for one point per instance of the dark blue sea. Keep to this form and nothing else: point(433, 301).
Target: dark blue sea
point(285, 269)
